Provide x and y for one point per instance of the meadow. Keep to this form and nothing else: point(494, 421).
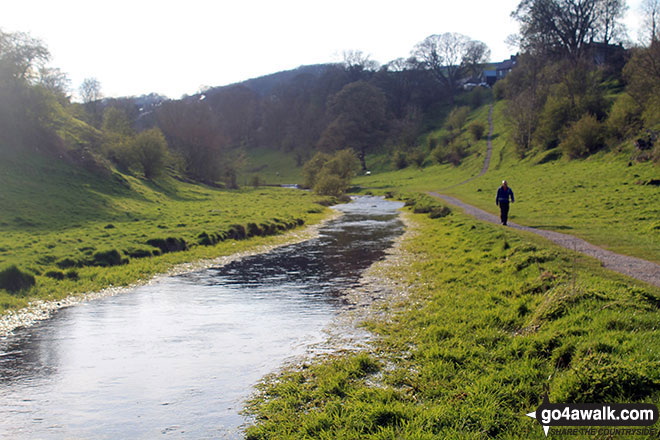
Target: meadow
point(492, 317)
point(77, 231)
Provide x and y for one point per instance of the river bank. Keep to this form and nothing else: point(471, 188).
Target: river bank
point(39, 310)
point(482, 320)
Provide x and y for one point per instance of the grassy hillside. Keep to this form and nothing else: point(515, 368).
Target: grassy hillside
point(603, 199)
point(76, 231)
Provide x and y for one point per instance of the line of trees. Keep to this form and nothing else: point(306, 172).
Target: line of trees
point(572, 57)
point(356, 105)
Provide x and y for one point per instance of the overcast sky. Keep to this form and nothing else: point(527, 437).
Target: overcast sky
point(175, 47)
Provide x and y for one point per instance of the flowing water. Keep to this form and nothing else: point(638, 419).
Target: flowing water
point(178, 357)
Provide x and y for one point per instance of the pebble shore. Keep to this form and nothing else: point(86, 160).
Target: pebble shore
point(39, 310)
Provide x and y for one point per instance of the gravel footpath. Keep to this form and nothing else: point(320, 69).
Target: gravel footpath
point(40, 310)
point(633, 267)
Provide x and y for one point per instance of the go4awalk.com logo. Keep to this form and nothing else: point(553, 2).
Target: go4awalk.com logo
point(592, 418)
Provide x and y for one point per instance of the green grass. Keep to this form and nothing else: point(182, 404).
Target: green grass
point(62, 223)
point(598, 199)
point(271, 166)
point(491, 318)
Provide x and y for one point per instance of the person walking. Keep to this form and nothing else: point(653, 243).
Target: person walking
point(502, 200)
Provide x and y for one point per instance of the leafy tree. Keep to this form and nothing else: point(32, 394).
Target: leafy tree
point(191, 129)
point(583, 137)
point(358, 120)
point(313, 167)
point(331, 174)
point(150, 149)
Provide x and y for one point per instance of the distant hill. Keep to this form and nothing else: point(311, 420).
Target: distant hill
point(263, 85)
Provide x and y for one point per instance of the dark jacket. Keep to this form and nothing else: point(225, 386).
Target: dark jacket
point(503, 195)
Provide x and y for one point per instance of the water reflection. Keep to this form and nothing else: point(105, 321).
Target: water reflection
point(178, 357)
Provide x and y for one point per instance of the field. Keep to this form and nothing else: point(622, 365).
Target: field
point(492, 316)
point(77, 231)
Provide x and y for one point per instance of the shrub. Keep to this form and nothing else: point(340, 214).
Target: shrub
point(477, 130)
point(330, 185)
point(399, 160)
point(150, 152)
point(457, 118)
point(584, 137)
point(417, 158)
point(256, 181)
point(13, 280)
point(624, 120)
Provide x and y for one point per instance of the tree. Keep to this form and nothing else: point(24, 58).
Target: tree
point(191, 129)
point(90, 90)
point(150, 150)
point(651, 13)
point(56, 82)
point(331, 174)
point(90, 93)
point(566, 27)
point(449, 57)
point(359, 120)
point(21, 56)
point(609, 24)
point(357, 63)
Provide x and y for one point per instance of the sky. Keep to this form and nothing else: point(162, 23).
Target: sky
point(178, 47)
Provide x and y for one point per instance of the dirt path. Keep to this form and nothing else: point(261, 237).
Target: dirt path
point(631, 266)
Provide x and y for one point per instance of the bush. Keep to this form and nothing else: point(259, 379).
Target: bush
point(330, 185)
point(477, 130)
point(256, 181)
point(584, 137)
point(399, 160)
point(457, 118)
point(417, 158)
point(624, 120)
point(150, 150)
point(13, 280)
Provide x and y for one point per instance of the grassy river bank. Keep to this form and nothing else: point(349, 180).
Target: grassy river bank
point(489, 317)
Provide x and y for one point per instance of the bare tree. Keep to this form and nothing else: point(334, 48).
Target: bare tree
point(609, 24)
point(449, 56)
point(90, 90)
point(651, 12)
point(566, 27)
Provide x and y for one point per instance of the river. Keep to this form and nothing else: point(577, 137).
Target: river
point(178, 357)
